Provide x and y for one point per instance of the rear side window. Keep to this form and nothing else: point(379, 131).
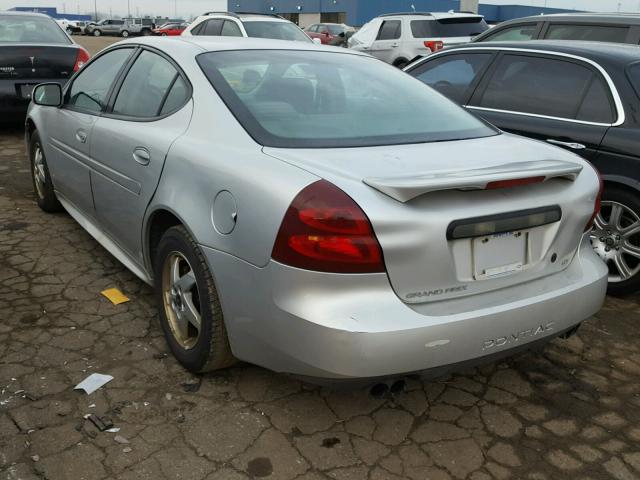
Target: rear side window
point(146, 87)
point(518, 33)
point(451, 75)
point(597, 106)
point(451, 27)
point(230, 29)
point(595, 33)
point(90, 88)
point(544, 86)
point(197, 30)
point(212, 28)
point(390, 30)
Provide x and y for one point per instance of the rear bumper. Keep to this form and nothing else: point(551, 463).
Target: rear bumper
point(354, 326)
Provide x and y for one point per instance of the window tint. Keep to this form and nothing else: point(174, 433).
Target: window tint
point(633, 73)
point(596, 106)
point(313, 99)
point(451, 75)
point(198, 29)
point(19, 29)
point(90, 88)
point(313, 28)
point(145, 87)
point(537, 85)
point(276, 30)
point(212, 28)
point(596, 33)
point(177, 96)
point(390, 30)
point(231, 29)
point(517, 33)
point(449, 27)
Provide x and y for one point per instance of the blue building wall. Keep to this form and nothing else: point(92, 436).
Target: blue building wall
point(360, 12)
point(52, 12)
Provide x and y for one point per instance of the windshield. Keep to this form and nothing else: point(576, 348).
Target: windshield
point(449, 27)
point(19, 29)
point(276, 30)
point(312, 99)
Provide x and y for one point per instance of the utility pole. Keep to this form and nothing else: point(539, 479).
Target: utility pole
point(95, 8)
point(175, 8)
point(128, 8)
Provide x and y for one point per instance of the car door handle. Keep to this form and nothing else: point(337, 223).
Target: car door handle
point(81, 136)
point(142, 156)
point(571, 145)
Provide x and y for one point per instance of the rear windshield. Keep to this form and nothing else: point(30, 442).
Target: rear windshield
point(311, 99)
point(27, 29)
point(449, 27)
point(276, 30)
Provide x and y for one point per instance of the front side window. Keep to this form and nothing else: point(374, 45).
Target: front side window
point(310, 99)
point(537, 85)
point(594, 33)
point(390, 30)
point(90, 88)
point(26, 29)
point(230, 29)
point(146, 87)
point(519, 33)
point(452, 75)
point(275, 30)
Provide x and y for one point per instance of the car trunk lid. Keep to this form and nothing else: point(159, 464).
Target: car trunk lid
point(37, 61)
point(443, 233)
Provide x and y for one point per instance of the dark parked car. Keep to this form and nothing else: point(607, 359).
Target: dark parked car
point(582, 96)
point(597, 27)
point(33, 49)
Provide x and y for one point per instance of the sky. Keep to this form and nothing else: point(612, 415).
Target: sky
point(188, 8)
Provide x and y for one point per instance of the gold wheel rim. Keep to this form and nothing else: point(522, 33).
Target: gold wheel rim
point(181, 300)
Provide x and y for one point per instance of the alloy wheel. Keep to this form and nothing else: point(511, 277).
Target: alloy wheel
point(39, 173)
point(181, 300)
point(616, 238)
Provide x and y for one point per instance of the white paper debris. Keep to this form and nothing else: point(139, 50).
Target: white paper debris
point(114, 430)
point(93, 382)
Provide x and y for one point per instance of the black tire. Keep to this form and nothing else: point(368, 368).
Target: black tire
point(97, 33)
point(43, 189)
point(401, 63)
point(630, 200)
point(211, 350)
point(124, 34)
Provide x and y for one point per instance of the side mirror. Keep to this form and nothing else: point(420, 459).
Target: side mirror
point(47, 95)
point(317, 41)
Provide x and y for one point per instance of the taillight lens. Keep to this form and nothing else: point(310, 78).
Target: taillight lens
point(598, 203)
point(516, 182)
point(82, 58)
point(434, 45)
point(325, 230)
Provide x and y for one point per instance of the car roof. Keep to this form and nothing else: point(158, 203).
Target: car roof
point(217, 44)
point(246, 16)
point(598, 51)
point(579, 17)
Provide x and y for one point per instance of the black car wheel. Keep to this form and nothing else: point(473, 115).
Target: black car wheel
point(42, 184)
point(190, 311)
point(616, 238)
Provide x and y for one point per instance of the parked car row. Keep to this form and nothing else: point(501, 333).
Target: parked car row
point(379, 227)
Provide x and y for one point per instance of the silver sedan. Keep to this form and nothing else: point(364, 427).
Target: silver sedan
point(315, 211)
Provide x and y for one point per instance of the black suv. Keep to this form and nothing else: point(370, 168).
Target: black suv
point(596, 27)
point(582, 96)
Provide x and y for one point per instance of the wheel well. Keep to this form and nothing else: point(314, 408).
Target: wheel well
point(400, 60)
point(621, 186)
point(31, 127)
point(160, 222)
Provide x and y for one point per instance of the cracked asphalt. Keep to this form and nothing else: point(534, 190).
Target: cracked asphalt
point(568, 411)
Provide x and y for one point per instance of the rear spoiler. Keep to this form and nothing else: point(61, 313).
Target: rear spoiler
point(406, 187)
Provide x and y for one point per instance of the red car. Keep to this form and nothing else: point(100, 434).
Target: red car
point(170, 29)
point(326, 32)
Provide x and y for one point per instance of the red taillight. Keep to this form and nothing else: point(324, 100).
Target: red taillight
point(82, 58)
point(326, 231)
point(516, 182)
point(434, 45)
point(598, 203)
